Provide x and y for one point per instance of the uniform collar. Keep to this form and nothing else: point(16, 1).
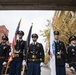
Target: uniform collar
point(20, 39)
point(73, 45)
point(34, 43)
point(3, 43)
point(56, 41)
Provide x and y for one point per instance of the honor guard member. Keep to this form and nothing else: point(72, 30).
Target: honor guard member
point(72, 54)
point(60, 55)
point(69, 44)
point(35, 56)
point(4, 53)
point(19, 55)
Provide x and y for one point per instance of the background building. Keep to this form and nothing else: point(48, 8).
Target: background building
point(3, 31)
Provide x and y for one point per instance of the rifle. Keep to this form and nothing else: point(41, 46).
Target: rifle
point(7, 67)
point(24, 69)
point(3, 70)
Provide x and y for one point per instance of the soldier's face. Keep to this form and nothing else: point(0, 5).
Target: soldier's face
point(73, 42)
point(4, 41)
point(34, 39)
point(20, 36)
point(56, 37)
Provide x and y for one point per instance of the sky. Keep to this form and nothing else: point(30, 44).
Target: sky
point(10, 18)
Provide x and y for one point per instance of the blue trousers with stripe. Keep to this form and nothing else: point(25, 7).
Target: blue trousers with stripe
point(60, 70)
point(1, 66)
point(15, 68)
point(33, 68)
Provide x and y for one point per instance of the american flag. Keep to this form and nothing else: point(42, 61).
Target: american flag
point(15, 36)
point(14, 41)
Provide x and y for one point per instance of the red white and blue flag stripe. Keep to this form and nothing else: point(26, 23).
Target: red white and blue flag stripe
point(14, 42)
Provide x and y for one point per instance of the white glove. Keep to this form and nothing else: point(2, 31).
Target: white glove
point(10, 53)
point(66, 65)
point(24, 63)
point(41, 64)
point(72, 68)
point(4, 63)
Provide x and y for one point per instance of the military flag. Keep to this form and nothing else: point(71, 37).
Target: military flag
point(52, 52)
point(15, 36)
point(14, 39)
point(29, 36)
point(27, 46)
point(10, 58)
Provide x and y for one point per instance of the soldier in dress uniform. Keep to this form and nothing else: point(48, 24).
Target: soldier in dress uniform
point(60, 55)
point(35, 56)
point(72, 54)
point(69, 44)
point(19, 55)
point(4, 53)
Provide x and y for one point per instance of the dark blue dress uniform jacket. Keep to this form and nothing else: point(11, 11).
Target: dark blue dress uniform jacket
point(4, 52)
point(60, 58)
point(72, 56)
point(35, 56)
point(19, 55)
point(35, 53)
point(60, 53)
point(20, 50)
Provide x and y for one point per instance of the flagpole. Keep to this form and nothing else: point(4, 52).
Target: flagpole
point(27, 47)
point(29, 35)
point(15, 37)
point(12, 50)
